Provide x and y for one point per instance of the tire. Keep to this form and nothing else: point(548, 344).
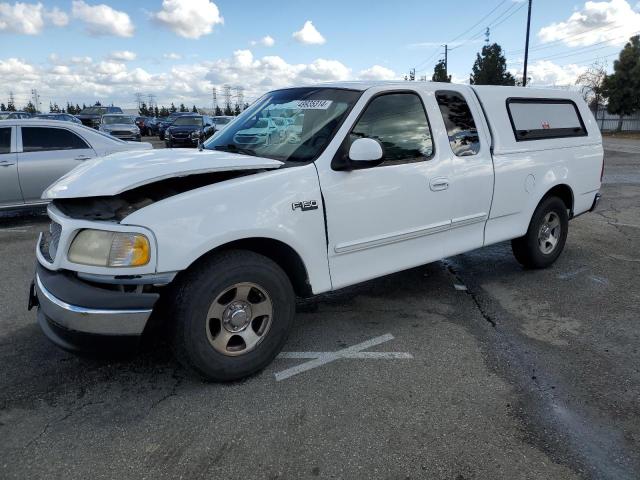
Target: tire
point(214, 347)
point(546, 236)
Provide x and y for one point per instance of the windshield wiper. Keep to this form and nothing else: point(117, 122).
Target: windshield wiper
point(233, 148)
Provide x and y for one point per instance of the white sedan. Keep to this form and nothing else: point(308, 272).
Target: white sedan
point(34, 153)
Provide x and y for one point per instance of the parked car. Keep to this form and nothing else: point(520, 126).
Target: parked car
point(221, 122)
point(91, 116)
point(166, 122)
point(65, 117)
point(14, 115)
point(141, 122)
point(265, 131)
point(188, 131)
point(386, 177)
point(153, 125)
point(35, 152)
point(120, 126)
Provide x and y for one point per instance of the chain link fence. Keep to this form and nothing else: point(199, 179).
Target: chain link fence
point(610, 123)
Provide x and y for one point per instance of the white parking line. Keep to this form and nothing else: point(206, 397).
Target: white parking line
point(355, 352)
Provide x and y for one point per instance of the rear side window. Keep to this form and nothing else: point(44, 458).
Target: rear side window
point(461, 127)
point(398, 121)
point(540, 119)
point(5, 140)
point(39, 139)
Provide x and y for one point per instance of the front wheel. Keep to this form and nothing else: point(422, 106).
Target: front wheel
point(232, 315)
point(544, 241)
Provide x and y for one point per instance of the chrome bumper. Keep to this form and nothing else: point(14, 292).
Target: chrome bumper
point(90, 320)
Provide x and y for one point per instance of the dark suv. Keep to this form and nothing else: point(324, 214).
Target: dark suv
point(188, 131)
point(91, 116)
point(164, 123)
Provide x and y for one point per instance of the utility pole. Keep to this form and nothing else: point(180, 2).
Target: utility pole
point(227, 96)
point(36, 99)
point(526, 47)
point(214, 103)
point(446, 61)
point(138, 96)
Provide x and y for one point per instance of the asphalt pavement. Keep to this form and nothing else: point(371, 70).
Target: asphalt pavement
point(469, 368)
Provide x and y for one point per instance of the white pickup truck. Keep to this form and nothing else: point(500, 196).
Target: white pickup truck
point(361, 180)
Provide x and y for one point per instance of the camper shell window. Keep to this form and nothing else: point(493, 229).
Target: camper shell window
point(544, 118)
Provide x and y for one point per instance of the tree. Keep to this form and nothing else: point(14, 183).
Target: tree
point(228, 111)
point(490, 67)
point(440, 73)
point(164, 112)
point(30, 108)
point(218, 112)
point(622, 87)
point(173, 108)
point(236, 110)
point(591, 83)
point(2, 107)
point(183, 108)
point(156, 112)
point(11, 106)
point(194, 109)
point(143, 111)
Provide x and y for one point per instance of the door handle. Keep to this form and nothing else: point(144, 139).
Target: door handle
point(439, 184)
point(6, 164)
point(83, 157)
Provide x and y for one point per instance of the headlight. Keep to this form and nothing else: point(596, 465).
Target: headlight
point(195, 134)
point(167, 133)
point(110, 249)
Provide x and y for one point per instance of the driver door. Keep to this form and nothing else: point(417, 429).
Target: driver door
point(395, 215)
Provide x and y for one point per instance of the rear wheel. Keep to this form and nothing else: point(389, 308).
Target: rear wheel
point(232, 315)
point(544, 241)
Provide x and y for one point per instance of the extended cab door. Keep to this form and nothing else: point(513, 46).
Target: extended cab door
point(10, 193)
point(47, 154)
point(471, 174)
point(395, 215)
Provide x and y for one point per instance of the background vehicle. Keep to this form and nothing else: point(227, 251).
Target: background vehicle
point(120, 126)
point(34, 153)
point(152, 126)
point(166, 122)
point(188, 131)
point(91, 116)
point(221, 122)
point(264, 131)
point(65, 117)
point(385, 177)
point(14, 115)
point(141, 122)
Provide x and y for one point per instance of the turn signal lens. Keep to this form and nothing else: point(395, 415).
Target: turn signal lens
point(129, 250)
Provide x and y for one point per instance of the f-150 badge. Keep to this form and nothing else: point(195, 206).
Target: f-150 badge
point(305, 205)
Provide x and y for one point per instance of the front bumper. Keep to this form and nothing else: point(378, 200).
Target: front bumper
point(69, 306)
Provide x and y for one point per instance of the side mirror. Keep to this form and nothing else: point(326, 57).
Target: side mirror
point(365, 152)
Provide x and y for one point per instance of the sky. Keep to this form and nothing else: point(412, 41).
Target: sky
point(180, 50)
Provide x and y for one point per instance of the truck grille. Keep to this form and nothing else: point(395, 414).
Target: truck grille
point(49, 242)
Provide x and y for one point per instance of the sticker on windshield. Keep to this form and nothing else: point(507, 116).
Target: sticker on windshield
point(314, 104)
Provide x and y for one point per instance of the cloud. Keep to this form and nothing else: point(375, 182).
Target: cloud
point(612, 22)
point(172, 56)
point(377, 72)
point(547, 73)
point(123, 56)
point(102, 19)
point(266, 41)
point(309, 35)
point(189, 18)
point(57, 17)
point(29, 18)
point(83, 80)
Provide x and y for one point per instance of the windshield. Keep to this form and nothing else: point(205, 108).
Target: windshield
point(194, 121)
point(317, 114)
point(94, 111)
point(4, 116)
point(120, 119)
point(222, 121)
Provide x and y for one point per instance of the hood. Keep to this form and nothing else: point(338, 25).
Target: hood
point(117, 173)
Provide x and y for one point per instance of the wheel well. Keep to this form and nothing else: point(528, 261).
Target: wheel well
point(281, 253)
point(564, 193)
